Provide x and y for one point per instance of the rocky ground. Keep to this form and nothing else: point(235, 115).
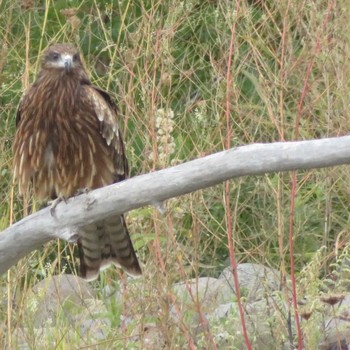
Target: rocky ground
point(206, 305)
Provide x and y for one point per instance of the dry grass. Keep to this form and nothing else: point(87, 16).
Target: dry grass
point(166, 64)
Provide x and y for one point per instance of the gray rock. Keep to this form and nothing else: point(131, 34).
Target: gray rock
point(225, 310)
point(57, 294)
point(255, 281)
point(24, 338)
point(148, 337)
point(87, 325)
point(263, 322)
point(217, 300)
point(337, 327)
point(95, 329)
point(203, 290)
point(91, 320)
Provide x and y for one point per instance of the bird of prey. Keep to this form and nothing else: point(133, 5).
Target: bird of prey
point(68, 139)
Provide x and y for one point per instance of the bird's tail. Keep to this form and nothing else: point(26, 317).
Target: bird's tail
point(104, 243)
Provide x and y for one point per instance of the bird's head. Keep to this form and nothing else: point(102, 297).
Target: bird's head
point(61, 57)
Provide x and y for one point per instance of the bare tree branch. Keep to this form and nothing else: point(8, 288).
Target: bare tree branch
point(38, 228)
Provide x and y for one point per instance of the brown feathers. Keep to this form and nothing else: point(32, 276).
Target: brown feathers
point(68, 139)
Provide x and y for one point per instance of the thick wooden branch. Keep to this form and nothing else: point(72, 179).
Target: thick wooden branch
point(153, 188)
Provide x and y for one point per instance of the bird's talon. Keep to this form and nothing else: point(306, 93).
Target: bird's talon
point(80, 191)
point(54, 204)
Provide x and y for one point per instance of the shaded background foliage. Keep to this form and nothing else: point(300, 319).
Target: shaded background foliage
point(165, 62)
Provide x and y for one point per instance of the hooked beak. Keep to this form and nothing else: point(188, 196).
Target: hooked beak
point(68, 63)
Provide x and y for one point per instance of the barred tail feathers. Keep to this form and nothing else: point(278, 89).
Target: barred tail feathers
point(104, 243)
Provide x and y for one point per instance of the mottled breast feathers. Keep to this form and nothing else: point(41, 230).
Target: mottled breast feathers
point(84, 130)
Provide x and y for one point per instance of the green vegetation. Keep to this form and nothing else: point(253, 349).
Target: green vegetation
point(166, 63)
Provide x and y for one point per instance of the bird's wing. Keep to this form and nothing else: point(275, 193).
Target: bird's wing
point(106, 113)
point(23, 163)
point(107, 241)
point(18, 114)
point(20, 107)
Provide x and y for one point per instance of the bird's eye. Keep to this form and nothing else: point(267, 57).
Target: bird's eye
point(55, 56)
point(76, 57)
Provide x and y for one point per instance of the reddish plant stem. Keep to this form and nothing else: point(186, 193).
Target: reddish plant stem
point(292, 271)
point(294, 181)
point(227, 184)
